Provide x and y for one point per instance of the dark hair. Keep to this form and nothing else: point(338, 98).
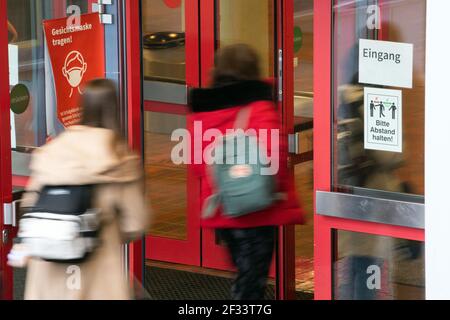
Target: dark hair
point(238, 62)
point(100, 107)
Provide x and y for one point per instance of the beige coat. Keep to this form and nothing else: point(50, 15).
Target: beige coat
point(84, 155)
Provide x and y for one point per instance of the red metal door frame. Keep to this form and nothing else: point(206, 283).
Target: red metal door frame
point(166, 249)
point(6, 283)
point(286, 241)
point(322, 142)
point(324, 226)
point(214, 256)
point(134, 104)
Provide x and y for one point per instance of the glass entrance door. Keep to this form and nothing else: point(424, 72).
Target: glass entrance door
point(369, 179)
point(27, 122)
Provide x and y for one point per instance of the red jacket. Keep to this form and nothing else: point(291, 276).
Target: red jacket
point(217, 108)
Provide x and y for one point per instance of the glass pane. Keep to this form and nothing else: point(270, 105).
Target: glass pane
point(166, 182)
point(164, 63)
point(234, 26)
point(369, 267)
point(303, 126)
point(82, 4)
point(163, 27)
point(27, 69)
point(303, 74)
point(303, 46)
point(304, 234)
point(398, 21)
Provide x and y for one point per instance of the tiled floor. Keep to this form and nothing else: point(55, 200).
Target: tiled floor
point(304, 274)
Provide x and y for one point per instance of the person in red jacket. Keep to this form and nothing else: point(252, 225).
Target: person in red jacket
point(250, 239)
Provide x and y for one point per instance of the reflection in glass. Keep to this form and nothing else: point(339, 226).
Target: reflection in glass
point(303, 73)
point(164, 60)
point(401, 21)
point(369, 267)
point(27, 67)
point(165, 181)
point(304, 234)
point(303, 46)
point(235, 26)
point(163, 29)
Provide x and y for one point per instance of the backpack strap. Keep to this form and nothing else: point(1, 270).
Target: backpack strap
point(211, 206)
point(243, 118)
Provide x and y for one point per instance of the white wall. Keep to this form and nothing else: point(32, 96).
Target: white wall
point(437, 154)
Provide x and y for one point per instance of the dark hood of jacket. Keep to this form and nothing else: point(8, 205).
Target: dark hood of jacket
point(230, 95)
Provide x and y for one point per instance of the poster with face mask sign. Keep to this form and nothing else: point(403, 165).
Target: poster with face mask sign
point(76, 52)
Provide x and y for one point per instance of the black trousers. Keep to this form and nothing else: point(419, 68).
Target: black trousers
point(251, 251)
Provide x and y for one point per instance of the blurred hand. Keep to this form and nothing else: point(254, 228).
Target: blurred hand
point(18, 257)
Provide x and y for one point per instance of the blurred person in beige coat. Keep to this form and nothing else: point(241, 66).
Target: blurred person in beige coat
point(91, 153)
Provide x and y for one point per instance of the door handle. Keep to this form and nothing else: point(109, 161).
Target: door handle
point(294, 143)
point(280, 75)
point(10, 211)
point(301, 142)
point(5, 237)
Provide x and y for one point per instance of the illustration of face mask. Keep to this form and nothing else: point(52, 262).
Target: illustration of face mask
point(74, 69)
point(75, 75)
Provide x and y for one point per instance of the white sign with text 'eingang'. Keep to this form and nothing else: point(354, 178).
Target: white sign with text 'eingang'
point(386, 63)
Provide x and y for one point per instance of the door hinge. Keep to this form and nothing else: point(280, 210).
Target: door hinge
point(100, 7)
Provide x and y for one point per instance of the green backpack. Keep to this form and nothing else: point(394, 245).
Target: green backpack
point(239, 187)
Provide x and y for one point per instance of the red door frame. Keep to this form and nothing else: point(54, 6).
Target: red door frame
point(214, 256)
point(324, 226)
point(160, 248)
point(286, 240)
point(134, 105)
point(5, 152)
